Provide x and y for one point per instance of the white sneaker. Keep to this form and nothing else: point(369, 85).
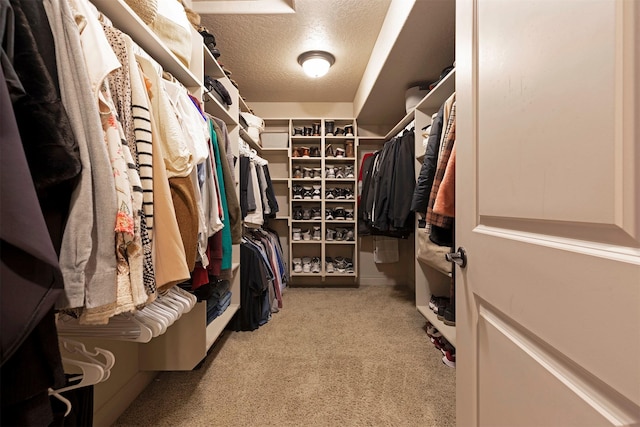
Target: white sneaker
point(306, 265)
point(297, 265)
point(296, 234)
point(330, 172)
point(317, 192)
point(306, 235)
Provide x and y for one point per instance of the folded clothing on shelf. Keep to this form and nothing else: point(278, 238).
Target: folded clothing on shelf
point(255, 125)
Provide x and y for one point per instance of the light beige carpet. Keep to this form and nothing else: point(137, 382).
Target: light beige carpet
point(330, 357)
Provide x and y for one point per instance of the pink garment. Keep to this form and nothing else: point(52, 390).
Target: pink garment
point(445, 203)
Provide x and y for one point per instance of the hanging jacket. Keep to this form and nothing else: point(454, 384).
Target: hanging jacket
point(428, 170)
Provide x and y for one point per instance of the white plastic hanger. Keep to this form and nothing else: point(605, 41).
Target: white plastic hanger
point(62, 399)
point(99, 356)
point(123, 327)
point(92, 373)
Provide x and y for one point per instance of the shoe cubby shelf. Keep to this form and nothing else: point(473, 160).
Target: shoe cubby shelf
point(320, 170)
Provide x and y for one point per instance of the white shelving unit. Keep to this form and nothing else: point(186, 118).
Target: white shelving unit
point(429, 280)
point(188, 340)
point(323, 248)
point(283, 165)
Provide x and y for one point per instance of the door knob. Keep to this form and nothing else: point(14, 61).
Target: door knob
point(459, 257)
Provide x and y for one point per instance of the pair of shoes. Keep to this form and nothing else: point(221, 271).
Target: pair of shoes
point(298, 131)
point(448, 354)
point(340, 152)
point(306, 264)
point(317, 234)
point(450, 315)
point(348, 172)
point(340, 264)
point(339, 172)
point(343, 234)
point(328, 151)
point(298, 213)
point(339, 193)
point(296, 234)
point(431, 331)
point(329, 268)
point(297, 265)
point(307, 193)
point(436, 302)
point(328, 214)
point(307, 173)
point(329, 172)
point(348, 130)
point(315, 152)
point(349, 266)
point(315, 214)
point(339, 213)
point(329, 126)
point(315, 265)
point(330, 193)
point(339, 132)
point(330, 235)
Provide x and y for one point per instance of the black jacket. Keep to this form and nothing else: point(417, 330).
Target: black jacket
point(429, 165)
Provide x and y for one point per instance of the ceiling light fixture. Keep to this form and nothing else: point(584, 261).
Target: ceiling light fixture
point(316, 63)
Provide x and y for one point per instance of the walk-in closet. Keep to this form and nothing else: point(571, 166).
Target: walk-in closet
point(320, 213)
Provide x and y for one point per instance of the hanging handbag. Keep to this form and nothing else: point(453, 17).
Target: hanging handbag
point(432, 254)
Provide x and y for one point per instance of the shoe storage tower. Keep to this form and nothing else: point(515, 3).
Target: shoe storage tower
point(316, 186)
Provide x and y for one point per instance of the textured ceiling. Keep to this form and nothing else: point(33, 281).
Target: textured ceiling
point(261, 50)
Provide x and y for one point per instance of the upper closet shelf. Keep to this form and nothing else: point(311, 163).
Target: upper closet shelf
point(430, 103)
point(243, 105)
point(211, 65)
point(249, 140)
point(438, 95)
point(127, 21)
point(213, 107)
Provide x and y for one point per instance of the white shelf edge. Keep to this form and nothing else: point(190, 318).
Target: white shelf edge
point(438, 95)
point(218, 110)
point(400, 126)
point(211, 66)
point(243, 105)
point(433, 100)
point(215, 328)
point(247, 138)
point(449, 332)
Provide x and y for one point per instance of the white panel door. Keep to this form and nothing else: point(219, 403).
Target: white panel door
point(548, 210)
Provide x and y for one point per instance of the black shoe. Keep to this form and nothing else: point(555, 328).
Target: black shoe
point(450, 315)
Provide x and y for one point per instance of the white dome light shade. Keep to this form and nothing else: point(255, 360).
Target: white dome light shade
point(316, 63)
